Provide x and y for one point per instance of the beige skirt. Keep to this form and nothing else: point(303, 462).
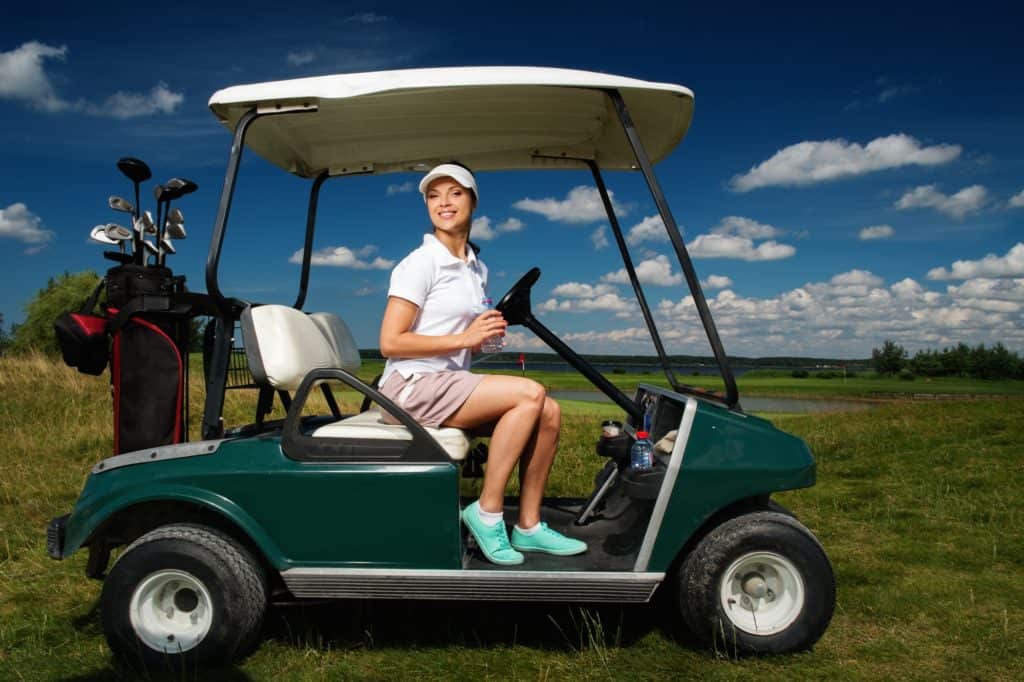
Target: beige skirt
point(432, 397)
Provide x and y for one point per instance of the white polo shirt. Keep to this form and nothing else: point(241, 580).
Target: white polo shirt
point(449, 293)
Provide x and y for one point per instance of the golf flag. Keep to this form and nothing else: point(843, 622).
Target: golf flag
point(522, 362)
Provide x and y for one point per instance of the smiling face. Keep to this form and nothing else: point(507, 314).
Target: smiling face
point(450, 206)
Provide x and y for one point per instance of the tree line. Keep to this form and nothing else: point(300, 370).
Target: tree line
point(961, 360)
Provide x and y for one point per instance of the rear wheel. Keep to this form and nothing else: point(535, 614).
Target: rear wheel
point(758, 583)
point(183, 595)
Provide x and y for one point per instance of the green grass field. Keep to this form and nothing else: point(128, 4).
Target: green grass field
point(919, 504)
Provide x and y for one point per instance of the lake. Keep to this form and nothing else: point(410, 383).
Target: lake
point(750, 403)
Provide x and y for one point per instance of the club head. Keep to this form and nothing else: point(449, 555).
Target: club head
point(182, 185)
point(176, 216)
point(118, 233)
point(99, 234)
point(176, 230)
point(150, 247)
point(149, 227)
point(166, 245)
point(120, 204)
point(158, 193)
point(134, 169)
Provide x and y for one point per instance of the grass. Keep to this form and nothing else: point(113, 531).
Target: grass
point(919, 504)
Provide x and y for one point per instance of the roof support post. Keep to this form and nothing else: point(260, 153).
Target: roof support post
point(731, 393)
point(307, 249)
point(631, 271)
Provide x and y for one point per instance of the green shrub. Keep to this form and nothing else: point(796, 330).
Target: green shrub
point(906, 375)
point(799, 373)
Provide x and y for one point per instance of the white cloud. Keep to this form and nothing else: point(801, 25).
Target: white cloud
point(650, 229)
point(344, 257)
point(580, 290)
point(1017, 200)
point(725, 246)
point(301, 58)
point(17, 222)
point(599, 238)
point(967, 200)
point(745, 227)
point(403, 188)
point(511, 225)
point(482, 230)
point(22, 77)
point(581, 205)
point(159, 100)
point(1010, 265)
point(876, 232)
point(716, 282)
point(656, 271)
point(808, 163)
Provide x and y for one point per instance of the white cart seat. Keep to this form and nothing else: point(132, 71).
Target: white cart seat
point(368, 425)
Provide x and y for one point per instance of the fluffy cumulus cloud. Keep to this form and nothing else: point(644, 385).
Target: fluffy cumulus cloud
point(578, 297)
point(344, 257)
point(716, 282)
point(23, 78)
point(656, 271)
point(650, 229)
point(1009, 265)
point(1017, 200)
point(17, 222)
point(599, 238)
point(484, 228)
point(742, 248)
point(401, 188)
point(808, 163)
point(968, 200)
point(581, 205)
point(876, 232)
point(746, 227)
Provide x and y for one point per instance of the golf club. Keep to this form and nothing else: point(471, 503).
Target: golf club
point(118, 233)
point(138, 172)
point(158, 195)
point(174, 188)
point(150, 250)
point(99, 234)
point(120, 204)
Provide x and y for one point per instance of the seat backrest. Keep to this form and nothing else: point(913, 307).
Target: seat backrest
point(340, 339)
point(283, 344)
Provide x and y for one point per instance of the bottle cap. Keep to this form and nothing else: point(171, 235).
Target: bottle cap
point(641, 435)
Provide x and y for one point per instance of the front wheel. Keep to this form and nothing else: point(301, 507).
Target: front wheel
point(758, 583)
point(183, 596)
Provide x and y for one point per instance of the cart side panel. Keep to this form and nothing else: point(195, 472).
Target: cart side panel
point(298, 514)
point(729, 457)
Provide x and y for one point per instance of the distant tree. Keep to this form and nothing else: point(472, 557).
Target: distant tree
point(927, 363)
point(66, 292)
point(889, 359)
point(956, 361)
point(3, 336)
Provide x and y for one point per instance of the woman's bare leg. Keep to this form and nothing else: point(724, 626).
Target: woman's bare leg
point(535, 464)
point(515, 406)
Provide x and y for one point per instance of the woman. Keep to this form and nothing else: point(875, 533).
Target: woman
point(434, 320)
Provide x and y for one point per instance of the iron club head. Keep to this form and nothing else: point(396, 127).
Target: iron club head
point(117, 232)
point(99, 234)
point(121, 204)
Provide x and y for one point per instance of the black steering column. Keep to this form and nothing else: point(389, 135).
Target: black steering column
point(515, 306)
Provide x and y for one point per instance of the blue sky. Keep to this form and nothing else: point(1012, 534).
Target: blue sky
point(851, 175)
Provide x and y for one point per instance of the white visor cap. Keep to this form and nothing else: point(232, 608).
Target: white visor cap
point(449, 170)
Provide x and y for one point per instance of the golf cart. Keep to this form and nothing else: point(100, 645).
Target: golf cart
point(216, 529)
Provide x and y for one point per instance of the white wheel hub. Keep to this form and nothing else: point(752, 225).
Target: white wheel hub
point(762, 593)
point(171, 611)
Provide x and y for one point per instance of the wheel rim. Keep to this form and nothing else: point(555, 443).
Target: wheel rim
point(762, 593)
point(171, 611)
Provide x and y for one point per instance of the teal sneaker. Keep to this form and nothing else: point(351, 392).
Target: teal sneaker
point(492, 540)
point(547, 540)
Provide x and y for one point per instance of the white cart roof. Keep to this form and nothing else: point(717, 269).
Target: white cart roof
point(490, 118)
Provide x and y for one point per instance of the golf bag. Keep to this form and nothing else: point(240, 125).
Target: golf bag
point(148, 357)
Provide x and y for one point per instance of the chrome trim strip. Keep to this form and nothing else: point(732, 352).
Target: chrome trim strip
point(159, 454)
point(675, 463)
point(474, 585)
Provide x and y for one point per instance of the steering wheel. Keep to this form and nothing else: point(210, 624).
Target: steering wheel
point(515, 305)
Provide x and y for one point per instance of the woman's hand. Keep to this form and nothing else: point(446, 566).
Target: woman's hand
point(487, 324)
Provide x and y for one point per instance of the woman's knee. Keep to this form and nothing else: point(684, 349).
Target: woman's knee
point(532, 393)
point(551, 414)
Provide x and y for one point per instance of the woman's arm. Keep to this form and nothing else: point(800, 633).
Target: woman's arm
point(396, 341)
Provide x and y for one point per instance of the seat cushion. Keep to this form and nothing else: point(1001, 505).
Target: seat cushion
point(368, 425)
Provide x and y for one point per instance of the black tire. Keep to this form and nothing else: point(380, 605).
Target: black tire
point(198, 595)
point(772, 555)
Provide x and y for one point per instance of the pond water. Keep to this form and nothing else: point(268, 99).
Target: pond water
point(750, 403)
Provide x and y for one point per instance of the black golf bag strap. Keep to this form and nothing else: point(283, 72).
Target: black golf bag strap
point(185, 304)
point(90, 303)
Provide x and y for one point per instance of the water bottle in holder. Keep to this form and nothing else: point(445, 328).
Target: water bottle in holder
point(496, 342)
point(641, 455)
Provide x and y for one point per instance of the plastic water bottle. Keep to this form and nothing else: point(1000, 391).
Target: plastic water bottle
point(496, 342)
point(641, 455)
